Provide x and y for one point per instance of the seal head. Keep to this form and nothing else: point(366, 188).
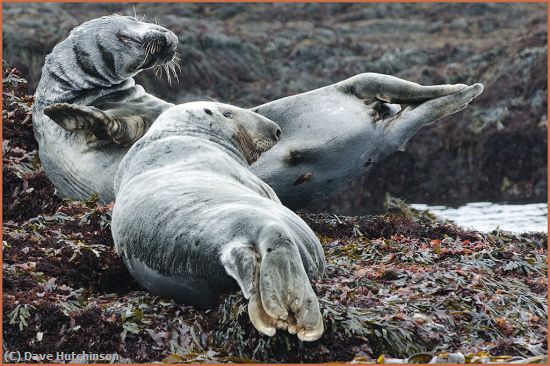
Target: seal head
point(114, 48)
point(88, 108)
point(244, 133)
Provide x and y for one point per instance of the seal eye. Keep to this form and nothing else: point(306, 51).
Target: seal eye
point(228, 114)
point(126, 39)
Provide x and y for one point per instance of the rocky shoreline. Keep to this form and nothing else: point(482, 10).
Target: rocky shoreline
point(397, 285)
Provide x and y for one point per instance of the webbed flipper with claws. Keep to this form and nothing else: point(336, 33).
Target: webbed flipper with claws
point(122, 125)
point(273, 278)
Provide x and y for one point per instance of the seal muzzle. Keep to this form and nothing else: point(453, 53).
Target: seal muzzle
point(160, 46)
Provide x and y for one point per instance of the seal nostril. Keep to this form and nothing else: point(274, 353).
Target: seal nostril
point(278, 134)
point(168, 40)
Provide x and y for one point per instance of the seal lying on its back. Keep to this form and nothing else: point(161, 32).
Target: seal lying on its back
point(331, 135)
point(334, 134)
point(92, 70)
point(192, 222)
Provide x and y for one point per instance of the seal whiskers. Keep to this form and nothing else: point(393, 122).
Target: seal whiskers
point(169, 67)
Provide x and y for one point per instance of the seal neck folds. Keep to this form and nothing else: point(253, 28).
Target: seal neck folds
point(220, 141)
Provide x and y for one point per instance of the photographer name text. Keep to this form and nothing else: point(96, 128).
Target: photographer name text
point(85, 357)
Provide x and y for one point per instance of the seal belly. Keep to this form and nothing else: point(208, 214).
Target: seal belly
point(302, 167)
point(78, 171)
point(193, 291)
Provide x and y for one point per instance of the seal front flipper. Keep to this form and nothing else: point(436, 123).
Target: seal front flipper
point(74, 117)
point(122, 130)
point(391, 89)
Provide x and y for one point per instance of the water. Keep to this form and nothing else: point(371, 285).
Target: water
point(487, 216)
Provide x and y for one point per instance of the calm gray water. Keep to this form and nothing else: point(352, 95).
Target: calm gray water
point(487, 216)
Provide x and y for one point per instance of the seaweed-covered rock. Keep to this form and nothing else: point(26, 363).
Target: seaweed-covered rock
point(397, 285)
point(26, 191)
point(437, 289)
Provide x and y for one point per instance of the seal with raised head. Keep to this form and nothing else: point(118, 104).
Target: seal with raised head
point(192, 222)
point(87, 88)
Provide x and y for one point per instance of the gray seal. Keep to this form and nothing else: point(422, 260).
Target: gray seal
point(332, 135)
point(192, 222)
point(88, 109)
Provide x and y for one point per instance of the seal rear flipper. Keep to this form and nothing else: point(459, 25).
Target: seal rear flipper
point(281, 295)
point(286, 293)
point(121, 130)
point(242, 262)
point(413, 118)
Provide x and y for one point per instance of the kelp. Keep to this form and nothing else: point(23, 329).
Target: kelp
point(27, 191)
